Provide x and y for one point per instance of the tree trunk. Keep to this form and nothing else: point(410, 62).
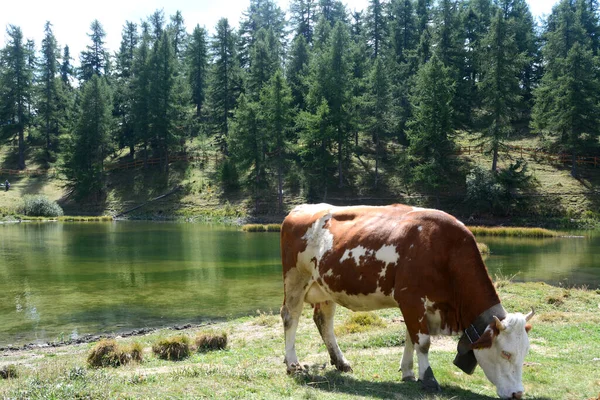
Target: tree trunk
point(376, 161)
point(495, 157)
point(21, 146)
point(574, 172)
point(341, 182)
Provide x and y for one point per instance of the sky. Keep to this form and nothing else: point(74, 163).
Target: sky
point(71, 27)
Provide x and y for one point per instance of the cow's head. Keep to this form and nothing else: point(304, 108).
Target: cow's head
point(500, 352)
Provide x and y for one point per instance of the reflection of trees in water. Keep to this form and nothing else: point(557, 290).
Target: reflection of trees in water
point(557, 260)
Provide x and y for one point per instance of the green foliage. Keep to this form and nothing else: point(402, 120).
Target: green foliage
point(228, 175)
point(94, 60)
point(173, 348)
point(40, 206)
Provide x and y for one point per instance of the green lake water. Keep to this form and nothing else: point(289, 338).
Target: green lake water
point(63, 280)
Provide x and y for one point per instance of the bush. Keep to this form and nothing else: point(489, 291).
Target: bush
point(108, 353)
point(175, 348)
point(8, 372)
point(360, 322)
point(40, 206)
point(209, 342)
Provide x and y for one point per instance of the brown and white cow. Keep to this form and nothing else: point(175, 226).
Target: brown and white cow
point(424, 261)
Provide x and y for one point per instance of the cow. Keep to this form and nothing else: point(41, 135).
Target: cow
point(423, 261)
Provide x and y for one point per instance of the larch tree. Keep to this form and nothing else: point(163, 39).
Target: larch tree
point(16, 86)
point(95, 59)
point(198, 67)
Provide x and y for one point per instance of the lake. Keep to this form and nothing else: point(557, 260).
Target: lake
point(63, 280)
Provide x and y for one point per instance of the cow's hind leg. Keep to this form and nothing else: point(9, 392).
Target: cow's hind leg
point(295, 287)
point(323, 317)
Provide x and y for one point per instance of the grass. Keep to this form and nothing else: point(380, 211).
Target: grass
point(484, 249)
point(174, 348)
point(209, 342)
point(8, 372)
point(109, 353)
point(562, 362)
point(504, 231)
point(261, 228)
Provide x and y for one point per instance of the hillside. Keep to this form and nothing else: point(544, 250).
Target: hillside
point(555, 195)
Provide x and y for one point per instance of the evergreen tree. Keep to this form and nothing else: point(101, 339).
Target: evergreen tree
point(247, 144)
point(178, 35)
point(500, 84)
point(298, 70)
point(141, 96)
point(156, 25)
point(49, 90)
point(94, 60)
point(66, 69)
point(333, 11)
point(376, 108)
point(431, 124)
point(16, 83)
point(90, 143)
point(264, 61)
point(124, 92)
point(566, 102)
point(375, 26)
point(197, 58)
point(303, 18)
point(402, 30)
point(276, 109)
point(224, 81)
point(261, 14)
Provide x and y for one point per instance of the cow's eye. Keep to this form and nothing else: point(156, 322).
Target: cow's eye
point(506, 355)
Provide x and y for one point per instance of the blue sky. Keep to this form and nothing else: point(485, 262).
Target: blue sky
point(70, 27)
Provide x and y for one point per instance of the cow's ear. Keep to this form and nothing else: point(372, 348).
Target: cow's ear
point(486, 340)
point(527, 328)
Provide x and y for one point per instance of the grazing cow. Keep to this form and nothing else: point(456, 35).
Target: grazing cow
point(425, 262)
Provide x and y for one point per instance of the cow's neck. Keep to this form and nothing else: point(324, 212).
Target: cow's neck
point(475, 299)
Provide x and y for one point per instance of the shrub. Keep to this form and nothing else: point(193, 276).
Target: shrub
point(209, 342)
point(274, 228)
point(483, 248)
point(175, 348)
point(360, 322)
point(8, 372)
point(40, 206)
point(108, 353)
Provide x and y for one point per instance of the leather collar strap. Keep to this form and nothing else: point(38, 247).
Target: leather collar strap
point(465, 359)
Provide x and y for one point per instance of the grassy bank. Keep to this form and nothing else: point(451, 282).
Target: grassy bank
point(513, 231)
point(562, 364)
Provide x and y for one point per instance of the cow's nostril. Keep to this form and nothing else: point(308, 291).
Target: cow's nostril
point(517, 395)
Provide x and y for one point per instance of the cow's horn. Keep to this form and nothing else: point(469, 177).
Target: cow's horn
point(530, 314)
point(499, 324)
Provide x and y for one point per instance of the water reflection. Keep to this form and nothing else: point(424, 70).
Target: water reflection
point(63, 280)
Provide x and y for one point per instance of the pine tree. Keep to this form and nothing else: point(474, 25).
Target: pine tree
point(297, 71)
point(303, 18)
point(66, 69)
point(123, 96)
point(261, 14)
point(224, 84)
point(276, 110)
point(264, 61)
point(49, 90)
point(197, 60)
point(333, 11)
point(90, 144)
point(499, 86)
point(95, 59)
point(566, 102)
point(375, 26)
point(247, 144)
point(178, 34)
point(156, 25)
point(376, 109)
point(16, 84)
point(141, 96)
point(431, 124)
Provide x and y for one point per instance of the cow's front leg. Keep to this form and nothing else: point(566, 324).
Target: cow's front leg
point(323, 317)
point(426, 377)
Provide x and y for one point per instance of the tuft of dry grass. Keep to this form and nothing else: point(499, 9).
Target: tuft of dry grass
point(8, 371)
point(108, 353)
point(483, 249)
point(174, 348)
point(254, 228)
point(505, 231)
point(209, 342)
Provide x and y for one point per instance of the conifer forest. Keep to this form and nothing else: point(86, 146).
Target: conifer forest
point(315, 98)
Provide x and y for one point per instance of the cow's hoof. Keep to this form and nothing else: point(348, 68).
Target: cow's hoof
point(343, 367)
point(410, 378)
point(293, 369)
point(429, 382)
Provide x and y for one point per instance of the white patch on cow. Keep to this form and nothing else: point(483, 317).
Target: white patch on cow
point(355, 253)
point(312, 209)
point(361, 302)
point(419, 228)
point(328, 274)
point(319, 240)
point(411, 246)
point(383, 272)
point(403, 289)
point(419, 209)
point(387, 253)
